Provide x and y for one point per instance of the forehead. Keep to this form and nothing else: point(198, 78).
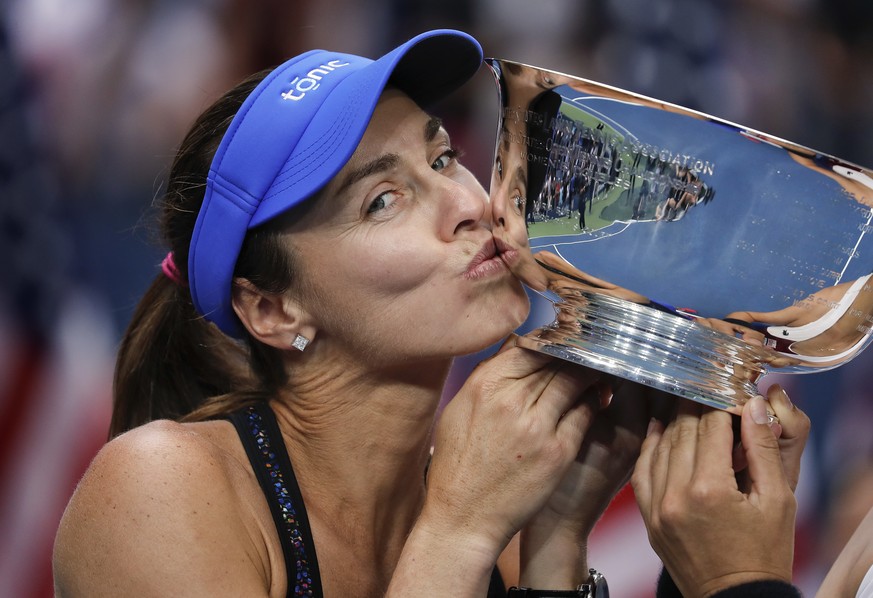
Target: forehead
point(398, 125)
point(396, 116)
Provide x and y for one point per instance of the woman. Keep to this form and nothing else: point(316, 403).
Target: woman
point(320, 216)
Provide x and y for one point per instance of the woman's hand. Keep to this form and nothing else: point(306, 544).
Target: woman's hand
point(505, 440)
point(708, 531)
point(501, 447)
point(554, 543)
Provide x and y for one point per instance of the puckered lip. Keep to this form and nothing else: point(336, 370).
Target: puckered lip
point(507, 252)
point(485, 263)
point(488, 251)
point(501, 245)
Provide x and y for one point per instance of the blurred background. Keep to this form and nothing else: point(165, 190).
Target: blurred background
point(96, 94)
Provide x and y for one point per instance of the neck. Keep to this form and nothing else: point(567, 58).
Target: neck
point(359, 442)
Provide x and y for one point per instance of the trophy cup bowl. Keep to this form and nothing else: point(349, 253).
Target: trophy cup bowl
point(679, 250)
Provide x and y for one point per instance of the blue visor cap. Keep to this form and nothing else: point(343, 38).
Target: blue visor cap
point(293, 134)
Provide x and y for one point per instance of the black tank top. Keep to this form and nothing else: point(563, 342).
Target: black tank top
point(260, 435)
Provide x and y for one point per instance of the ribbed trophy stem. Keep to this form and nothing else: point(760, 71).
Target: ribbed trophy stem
point(651, 346)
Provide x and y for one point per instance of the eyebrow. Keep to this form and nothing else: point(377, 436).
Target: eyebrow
point(383, 163)
point(386, 162)
point(433, 126)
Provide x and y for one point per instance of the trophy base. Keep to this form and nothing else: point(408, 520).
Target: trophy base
point(650, 346)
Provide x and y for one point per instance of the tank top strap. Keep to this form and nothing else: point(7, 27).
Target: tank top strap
point(265, 448)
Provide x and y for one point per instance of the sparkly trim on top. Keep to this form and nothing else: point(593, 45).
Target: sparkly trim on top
point(303, 583)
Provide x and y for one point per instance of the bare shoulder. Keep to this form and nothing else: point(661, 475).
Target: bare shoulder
point(852, 564)
point(155, 512)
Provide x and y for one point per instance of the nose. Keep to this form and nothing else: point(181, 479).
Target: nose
point(463, 205)
point(499, 202)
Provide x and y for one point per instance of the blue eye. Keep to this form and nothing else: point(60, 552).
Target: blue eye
point(377, 204)
point(382, 201)
point(444, 160)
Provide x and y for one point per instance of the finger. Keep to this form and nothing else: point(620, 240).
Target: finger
point(538, 381)
point(576, 421)
point(661, 463)
point(715, 440)
point(795, 431)
point(766, 473)
point(510, 342)
point(642, 477)
point(528, 372)
point(565, 388)
point(516, 362)
point(683, 444)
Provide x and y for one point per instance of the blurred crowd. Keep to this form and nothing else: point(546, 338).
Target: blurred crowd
point(96, 94)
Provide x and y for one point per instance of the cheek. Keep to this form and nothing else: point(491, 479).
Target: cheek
point(394, 267)
point(518, 231)
point(388, 282)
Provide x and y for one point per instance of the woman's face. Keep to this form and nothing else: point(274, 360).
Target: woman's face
point(508, 196)
point(397, 256)
point(509, 193)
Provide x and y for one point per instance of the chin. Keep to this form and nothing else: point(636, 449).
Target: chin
point(521, 312)
point(519, 306)
point(505, 317)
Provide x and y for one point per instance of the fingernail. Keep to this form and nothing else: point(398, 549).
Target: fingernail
point(758, 407)
point(776, 428)
point(653, 423)
point(787, 399)
point(605, 394)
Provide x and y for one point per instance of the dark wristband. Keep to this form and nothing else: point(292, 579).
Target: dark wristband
point(760, 589)
point(753, 589)
point(515, 592)
point(594, 587)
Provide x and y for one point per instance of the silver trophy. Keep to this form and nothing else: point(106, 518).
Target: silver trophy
point(679, 250)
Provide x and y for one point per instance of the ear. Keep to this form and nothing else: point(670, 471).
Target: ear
point(274, 320)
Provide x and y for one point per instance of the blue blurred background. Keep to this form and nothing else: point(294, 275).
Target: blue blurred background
point(96, 94)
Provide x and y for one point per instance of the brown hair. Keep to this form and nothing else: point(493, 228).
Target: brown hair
point(173, 363)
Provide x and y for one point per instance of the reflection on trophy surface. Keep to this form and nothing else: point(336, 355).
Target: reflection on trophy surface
point(679, 250)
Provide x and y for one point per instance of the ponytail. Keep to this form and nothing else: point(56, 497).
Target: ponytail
point(171, 360)
point(173, 363)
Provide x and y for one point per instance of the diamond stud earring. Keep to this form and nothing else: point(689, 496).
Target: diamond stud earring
point(300, 342)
